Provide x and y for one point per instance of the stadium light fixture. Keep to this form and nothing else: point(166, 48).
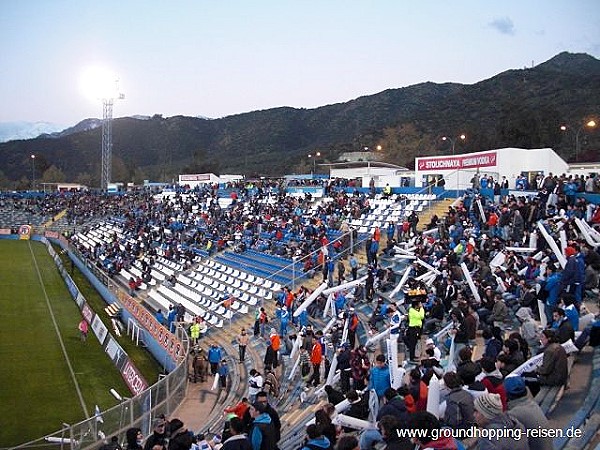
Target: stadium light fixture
point(462, 137)
point(587, 125)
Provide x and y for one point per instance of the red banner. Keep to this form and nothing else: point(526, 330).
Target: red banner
point(149, 322)
point(134, 379)
point(458, 162)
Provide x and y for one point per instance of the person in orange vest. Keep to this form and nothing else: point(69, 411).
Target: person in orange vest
point(377, 234)
point(272, 353)
point(275, 340)
point(316, 357)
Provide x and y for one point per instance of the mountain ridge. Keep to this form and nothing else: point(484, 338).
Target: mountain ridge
point(516, 108)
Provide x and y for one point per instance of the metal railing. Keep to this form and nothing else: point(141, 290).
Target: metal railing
point(353, 246)
point(140, 411)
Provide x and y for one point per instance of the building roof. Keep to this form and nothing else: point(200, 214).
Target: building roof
point(357, 164)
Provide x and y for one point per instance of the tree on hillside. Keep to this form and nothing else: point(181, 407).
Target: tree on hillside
point(53, 175)
point(4, 181)
point(403, 143)
point(201, 164)
point(84, 178)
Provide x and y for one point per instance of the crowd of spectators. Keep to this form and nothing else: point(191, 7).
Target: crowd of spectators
point(484, 234)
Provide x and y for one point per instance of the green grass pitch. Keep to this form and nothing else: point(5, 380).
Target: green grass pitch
point(37, 388)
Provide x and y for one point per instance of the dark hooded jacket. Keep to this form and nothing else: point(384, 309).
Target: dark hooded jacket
point(394, 407)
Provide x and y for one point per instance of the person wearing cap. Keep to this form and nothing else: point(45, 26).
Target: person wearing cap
point(158, 436)
point(488, 415)
point(522, 407)
point(437, 353)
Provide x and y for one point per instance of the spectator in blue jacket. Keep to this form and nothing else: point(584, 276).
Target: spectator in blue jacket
point(571, 311)
point(570, 275)
point(171, 318)
point(315, 440)
point(223, 372)
point(379, 378)
point(552, 286)
point(214, 357)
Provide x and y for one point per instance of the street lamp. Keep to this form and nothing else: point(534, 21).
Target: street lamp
point(314, 159)
point(589, 124)
point(462, 137)
point(33, 172)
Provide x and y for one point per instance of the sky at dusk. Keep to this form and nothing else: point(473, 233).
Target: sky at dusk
point(217, 58)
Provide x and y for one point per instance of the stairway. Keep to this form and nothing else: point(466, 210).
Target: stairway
point(439, 208)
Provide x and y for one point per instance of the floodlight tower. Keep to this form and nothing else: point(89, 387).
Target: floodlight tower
point(107, 114)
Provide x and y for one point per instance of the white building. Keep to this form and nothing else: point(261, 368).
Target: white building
point(193, 180)
point(381, 173)
point(458, 170)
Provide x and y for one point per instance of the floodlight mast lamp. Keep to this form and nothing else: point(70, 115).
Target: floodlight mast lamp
point(462, 137)
point(588, 125)
point(107, 114)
